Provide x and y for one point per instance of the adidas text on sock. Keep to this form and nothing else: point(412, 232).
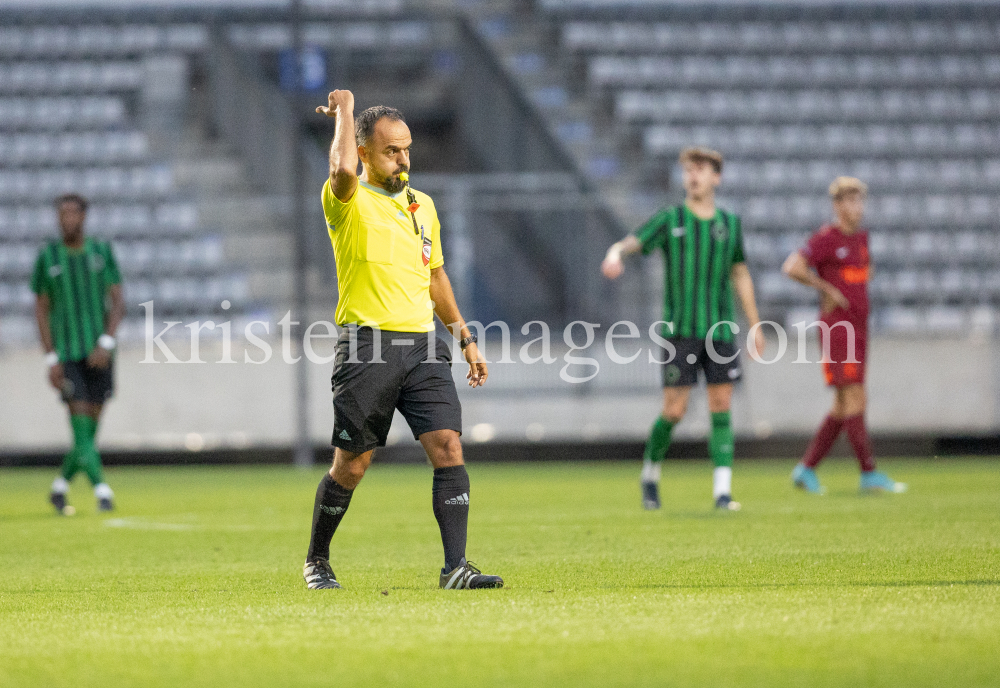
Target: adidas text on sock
point(450, 499)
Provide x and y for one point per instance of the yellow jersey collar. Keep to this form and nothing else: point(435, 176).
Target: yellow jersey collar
point(381, 191)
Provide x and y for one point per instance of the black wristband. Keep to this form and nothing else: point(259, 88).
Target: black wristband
point(471, 339)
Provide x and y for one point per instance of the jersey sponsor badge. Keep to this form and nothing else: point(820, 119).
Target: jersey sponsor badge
point(672, 374)
point(854, 275)
point(842, 252)
point(677, 231)
point(719, 231)
point(96, 263)
point(426, 251)
point(55, 270)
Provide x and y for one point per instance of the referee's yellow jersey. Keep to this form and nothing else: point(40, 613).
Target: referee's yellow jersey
point(383, 265)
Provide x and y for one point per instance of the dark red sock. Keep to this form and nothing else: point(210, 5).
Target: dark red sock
point(858, 436)
point(821, 443)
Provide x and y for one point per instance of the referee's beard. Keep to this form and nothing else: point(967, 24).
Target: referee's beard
point(393, 184)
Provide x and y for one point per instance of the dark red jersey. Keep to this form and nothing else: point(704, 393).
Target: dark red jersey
point(842, 260)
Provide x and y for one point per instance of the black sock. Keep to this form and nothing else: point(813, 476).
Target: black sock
point(451, 509)
point(332, 501)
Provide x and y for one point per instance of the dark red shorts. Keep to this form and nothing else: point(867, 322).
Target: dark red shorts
point(843, 368)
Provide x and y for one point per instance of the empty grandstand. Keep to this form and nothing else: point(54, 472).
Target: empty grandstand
point(98, 109)
point(904, 97)
point(545, 130)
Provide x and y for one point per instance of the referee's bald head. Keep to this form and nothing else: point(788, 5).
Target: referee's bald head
point(383, 141)
point(364, 123)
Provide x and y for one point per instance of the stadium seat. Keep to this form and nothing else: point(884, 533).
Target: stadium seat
point(901, 320)
point(945, 319)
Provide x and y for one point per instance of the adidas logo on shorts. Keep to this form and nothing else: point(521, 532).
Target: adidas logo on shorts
point(344, 435)
point(460, 500)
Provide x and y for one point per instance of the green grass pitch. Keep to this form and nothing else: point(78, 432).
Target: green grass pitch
point(196, 581)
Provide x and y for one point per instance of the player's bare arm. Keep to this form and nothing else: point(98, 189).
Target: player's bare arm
point(798, 269)
point(43, 307)
point(101, 357)
point(742, 282)
point(344, 149)
point(612, 266)
point(446, 308)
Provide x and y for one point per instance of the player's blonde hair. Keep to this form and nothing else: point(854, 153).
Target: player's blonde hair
point(699, 154)
point(845, 185)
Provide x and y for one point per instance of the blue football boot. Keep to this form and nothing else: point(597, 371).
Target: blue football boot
point(805, 478)
point(876, 481)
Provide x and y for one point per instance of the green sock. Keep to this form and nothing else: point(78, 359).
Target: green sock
point(83, 435)
point(720, 444)
point(659, 440)
point(84, 432)
point(70, 465)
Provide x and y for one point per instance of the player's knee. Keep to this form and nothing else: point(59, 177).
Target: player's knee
point(720, 397)
point(452, 450)
point(674, 415)
point(852, 400)
point(349, 472)
point(355, 470)
point(446, 451)
point(837, 410)
point(718, 406)
point(855, 407)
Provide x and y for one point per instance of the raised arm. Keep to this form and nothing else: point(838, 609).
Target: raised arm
point(742, 282)
point(798, 269)
point(612, 266)
point(446, 308)
point(344, 149)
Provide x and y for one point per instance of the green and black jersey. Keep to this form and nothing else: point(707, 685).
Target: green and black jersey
point(76, 282)
point(698, 256)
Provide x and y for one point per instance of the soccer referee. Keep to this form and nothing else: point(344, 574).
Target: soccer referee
point(391, 282)
point(78, 307)
point(702, 248)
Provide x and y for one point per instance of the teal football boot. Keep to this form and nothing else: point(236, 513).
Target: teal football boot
point(876, 481)
point(805, 478)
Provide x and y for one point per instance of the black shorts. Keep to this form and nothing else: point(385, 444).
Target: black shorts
point(365, 394)
point(693, 355)
point(82, 382)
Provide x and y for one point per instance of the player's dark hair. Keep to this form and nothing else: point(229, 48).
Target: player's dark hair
point(80, 201)
point(364, 124)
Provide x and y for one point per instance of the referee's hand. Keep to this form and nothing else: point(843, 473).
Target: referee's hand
point(477, 366)
point(342, 100)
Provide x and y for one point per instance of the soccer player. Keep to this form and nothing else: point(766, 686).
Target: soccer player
point(703, 257)
point(835, 262)
point(78, 307)
point(391, 281)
